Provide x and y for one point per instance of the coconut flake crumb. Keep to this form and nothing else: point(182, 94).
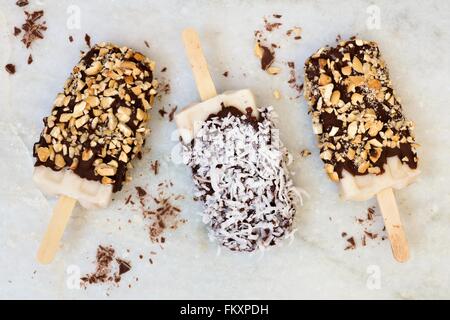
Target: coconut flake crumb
point(240, 171)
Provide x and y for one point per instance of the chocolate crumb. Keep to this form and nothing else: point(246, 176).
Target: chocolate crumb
point(162, 112)
point(277, 16)
point(22, 3)
point(343, 234)
point(30, 59)
point(17, 31)
point(225, 74)
point(10, 68)
point(141, 192)
point(70, 39)
point(87, 39)
point(141, 256)
point(164, 69)
point(146, 44)
point(150, 260)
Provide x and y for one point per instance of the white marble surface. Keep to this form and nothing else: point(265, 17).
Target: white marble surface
point(414, 37)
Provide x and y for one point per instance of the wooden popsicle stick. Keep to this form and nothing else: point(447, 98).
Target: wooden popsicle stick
point(394, 227)
point(205, 85)
point(55, 229)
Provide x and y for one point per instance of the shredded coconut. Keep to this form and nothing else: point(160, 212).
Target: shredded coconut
point(240, 171)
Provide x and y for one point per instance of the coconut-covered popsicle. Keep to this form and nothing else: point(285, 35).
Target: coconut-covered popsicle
point(238, 163)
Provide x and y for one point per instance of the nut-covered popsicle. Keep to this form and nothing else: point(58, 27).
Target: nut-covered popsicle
point(365, 141)
point(238, 163)
point(96, 127)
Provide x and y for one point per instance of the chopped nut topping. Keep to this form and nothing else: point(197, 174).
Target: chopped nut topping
point(98, 123)
point(43, 153)
point(355, 111)
point(105, 170)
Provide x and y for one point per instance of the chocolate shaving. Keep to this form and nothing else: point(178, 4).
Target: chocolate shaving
point(30, 59)
point(366, 222)
point(293, 79)
point(371, 235)
point(172, 113)
point(351, 244)
point(268, 57)
point(33, 28)
point(104, 269)
point(164, 216)
point(370, 213)
point(225, 74)
point(146, 44)
point(124, 266)
point(155, 167)
point(105, 256)
point(70, 39)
